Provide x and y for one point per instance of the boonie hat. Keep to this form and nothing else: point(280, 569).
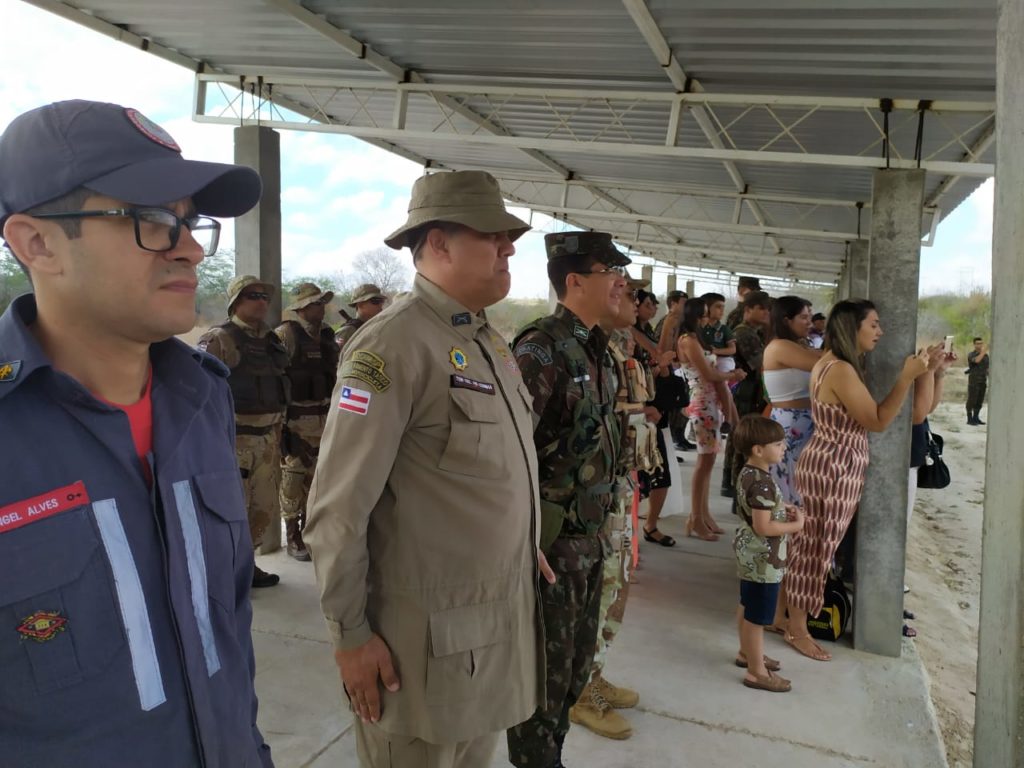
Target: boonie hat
point(304, 294)
point(365, 292)
point(115, 151)
point(577, 245)
point(239, 283)
point(636, 282)
point(470, 198)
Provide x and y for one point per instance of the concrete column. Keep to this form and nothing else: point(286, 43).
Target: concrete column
point(999, 708)
point(860, 262)
point(258, 238)
point(671, 284)
point(258, 233)
point(691, 286)
point(895, 262)
point(647, 273)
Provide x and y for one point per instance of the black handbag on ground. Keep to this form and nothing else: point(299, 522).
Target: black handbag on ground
point(933, 473)
point(834, 618)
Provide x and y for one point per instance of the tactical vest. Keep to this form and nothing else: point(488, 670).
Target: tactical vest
point(258, 383)
point(639, 436)
point(579, 491)
point(314, 366)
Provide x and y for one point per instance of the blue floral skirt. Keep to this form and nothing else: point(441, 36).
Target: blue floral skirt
point(799, 428)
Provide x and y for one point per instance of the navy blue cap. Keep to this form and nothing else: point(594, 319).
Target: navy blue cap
point(115, 151)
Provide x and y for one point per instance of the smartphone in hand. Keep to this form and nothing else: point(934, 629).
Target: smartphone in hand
point(947, 345)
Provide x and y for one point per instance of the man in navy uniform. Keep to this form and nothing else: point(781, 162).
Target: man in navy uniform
point(125, 556)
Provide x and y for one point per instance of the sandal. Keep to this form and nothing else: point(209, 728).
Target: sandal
point(808, 647)
point(770, 682)
point(662, 539)
point(770, 664)
point(909, 616)
point(909, 632)
point(776, 629)
point(706, 536)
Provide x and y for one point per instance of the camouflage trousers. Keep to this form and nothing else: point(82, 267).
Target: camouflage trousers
point(259, 461)
point(614, 583)
point(299, 464)
point(570, 607)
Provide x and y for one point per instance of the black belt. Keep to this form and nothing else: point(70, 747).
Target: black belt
point(294, 411)
point(244, 429)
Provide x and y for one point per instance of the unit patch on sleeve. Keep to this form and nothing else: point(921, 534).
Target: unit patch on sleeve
point(355, 401)
point(366, 367)
point(535, 351)
point(463, 382)
point(42, 626)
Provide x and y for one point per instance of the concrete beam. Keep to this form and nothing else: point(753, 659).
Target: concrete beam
point(894, 267)
point(999, 712)
point(670, 284)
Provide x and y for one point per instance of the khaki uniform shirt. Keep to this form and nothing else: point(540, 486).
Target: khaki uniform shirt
point(423, 518)
point(219, 343)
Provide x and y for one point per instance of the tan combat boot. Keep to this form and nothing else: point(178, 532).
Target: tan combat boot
point(594, 712)
point(296, 546)
point(620, 698)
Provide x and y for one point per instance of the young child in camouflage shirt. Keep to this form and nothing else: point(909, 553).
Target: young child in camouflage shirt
point(760, 545)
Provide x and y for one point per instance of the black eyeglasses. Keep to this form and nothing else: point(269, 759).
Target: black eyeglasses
point(156, 229)
point(617, 271)
point(377, 300)
point(256, 296)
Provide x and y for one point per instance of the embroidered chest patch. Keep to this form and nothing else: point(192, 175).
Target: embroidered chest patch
point(458, 359)
point(42, 626)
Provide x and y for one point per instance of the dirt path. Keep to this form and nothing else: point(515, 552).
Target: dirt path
point(944, 574)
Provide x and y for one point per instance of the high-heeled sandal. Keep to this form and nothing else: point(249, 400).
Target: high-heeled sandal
point(706, 536)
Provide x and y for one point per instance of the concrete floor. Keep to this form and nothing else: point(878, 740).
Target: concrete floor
point(676, 648)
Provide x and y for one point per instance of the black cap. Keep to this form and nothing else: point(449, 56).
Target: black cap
point(115, 151)
point(595, 245)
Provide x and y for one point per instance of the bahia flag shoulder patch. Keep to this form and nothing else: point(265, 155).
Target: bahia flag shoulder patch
point(354, 400)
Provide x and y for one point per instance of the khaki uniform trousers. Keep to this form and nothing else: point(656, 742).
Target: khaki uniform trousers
point(259, 461)
point(297, 468)
point(377, 749)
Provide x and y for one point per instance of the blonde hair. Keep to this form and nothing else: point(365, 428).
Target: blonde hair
point(841, 332)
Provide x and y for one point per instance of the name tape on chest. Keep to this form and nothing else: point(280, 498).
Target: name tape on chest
point(463, 382)
point(355, 401)
point(43, 506)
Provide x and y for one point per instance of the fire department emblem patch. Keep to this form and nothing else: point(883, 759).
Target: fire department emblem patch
point(42, 626)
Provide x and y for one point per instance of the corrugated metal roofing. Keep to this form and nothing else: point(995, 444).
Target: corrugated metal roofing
point(580, 89)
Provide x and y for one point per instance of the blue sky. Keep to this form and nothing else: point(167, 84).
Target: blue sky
point(339, 195)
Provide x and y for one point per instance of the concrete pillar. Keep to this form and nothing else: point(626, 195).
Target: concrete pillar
point(999, 708)
point(895, 262)
point(647, 273)
point(258, 233)
point(691, 286)
point(258, 237)
point(670, 284)
point(860, 263)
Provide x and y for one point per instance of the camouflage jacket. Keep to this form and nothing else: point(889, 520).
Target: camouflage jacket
point(568, 370)
point(749, 393)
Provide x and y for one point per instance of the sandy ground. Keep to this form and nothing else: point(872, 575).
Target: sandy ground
point(944, 573)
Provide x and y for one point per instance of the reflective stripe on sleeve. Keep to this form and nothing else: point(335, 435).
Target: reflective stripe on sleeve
point(132, 603)
point(196, 571)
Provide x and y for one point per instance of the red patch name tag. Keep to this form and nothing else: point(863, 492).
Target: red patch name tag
point(43, 506)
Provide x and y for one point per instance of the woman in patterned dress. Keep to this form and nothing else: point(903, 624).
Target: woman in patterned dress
point(830, 471)
point(699, 368)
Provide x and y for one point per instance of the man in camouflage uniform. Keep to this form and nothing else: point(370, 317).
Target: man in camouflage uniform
point(367, 301)
point(312, 371)
point(246, 345)
point(635, 387)
point(566, 366)
point(744, 285)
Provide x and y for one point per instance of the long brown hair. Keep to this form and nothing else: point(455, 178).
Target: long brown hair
point(841, 331)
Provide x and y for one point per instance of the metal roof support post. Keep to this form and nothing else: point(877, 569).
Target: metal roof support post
point(999, 712)
point(892, 279)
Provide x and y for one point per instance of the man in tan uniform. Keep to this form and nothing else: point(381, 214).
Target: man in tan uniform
point(246, 345)
point(368, 301)
point(312, 371)
point(423, 512)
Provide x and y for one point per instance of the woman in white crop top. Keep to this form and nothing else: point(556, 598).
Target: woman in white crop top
point(788, 361)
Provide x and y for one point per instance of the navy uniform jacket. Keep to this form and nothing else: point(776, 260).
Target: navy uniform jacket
point(124, 611)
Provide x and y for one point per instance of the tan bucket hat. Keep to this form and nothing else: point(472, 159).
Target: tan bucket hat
point(636, 282)
point(240, 282)
point(365, 292)
point(304, 294)
point(470, 198)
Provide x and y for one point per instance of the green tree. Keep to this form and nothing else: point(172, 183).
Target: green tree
point(13, 280)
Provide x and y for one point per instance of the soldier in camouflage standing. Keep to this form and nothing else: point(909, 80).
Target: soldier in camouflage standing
point(565, 364)
point(312, 371)
point(246, 345)
point(367, 301)
point(635, 387)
